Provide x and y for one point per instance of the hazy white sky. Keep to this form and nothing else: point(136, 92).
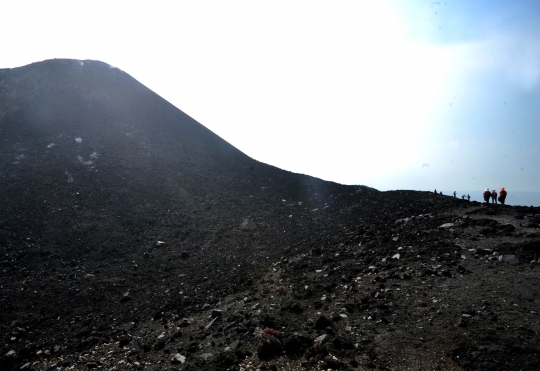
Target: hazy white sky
point(390, 94)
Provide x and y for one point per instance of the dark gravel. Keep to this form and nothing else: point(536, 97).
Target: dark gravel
point(131, 237)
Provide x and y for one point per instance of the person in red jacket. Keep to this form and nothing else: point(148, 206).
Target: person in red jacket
point(487, 195)
point(502, 195)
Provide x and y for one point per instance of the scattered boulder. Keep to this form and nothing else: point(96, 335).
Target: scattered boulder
point(297, 344)
point(511, 259)
point(269, 348)
point(319, 340)
point(323, 322)
point(178, 359)
point(125, 297)
point(446, 225)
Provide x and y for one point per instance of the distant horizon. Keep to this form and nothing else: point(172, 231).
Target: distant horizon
point(514, 198)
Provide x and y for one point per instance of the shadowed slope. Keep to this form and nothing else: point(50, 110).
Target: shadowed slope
point(94, 134)
point(95, 169)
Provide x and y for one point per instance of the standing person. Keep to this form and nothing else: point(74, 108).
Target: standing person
point(454, 194)
point(468, 197)
point(487, 195)
point(502, 195)
point(435, 191)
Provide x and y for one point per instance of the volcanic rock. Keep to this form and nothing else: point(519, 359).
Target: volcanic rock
point(96, 170)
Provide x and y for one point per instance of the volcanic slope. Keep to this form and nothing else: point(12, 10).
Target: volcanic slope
point(133, 237)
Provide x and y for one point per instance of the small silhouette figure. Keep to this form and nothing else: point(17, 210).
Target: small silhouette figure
point(502, 195)
point(487, 195)
point(454, 194)
point(435, 191)
point(493, 196)
point(468, 197)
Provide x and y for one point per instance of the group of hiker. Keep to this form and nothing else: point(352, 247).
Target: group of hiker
point(488, 195)
point(462, 196)
point(493, 196)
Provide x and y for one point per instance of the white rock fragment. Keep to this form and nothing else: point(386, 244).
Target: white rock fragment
point(178, 358)
point(446, 225)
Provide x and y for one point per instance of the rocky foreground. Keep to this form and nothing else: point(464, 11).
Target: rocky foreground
point(455, 288)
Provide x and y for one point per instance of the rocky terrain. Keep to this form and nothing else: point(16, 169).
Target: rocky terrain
point(131, 237)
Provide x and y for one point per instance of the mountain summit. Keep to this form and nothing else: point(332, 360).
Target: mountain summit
point(81, 139)
point(102, 178)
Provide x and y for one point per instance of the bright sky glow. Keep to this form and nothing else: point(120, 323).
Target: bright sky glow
point(390, 94)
